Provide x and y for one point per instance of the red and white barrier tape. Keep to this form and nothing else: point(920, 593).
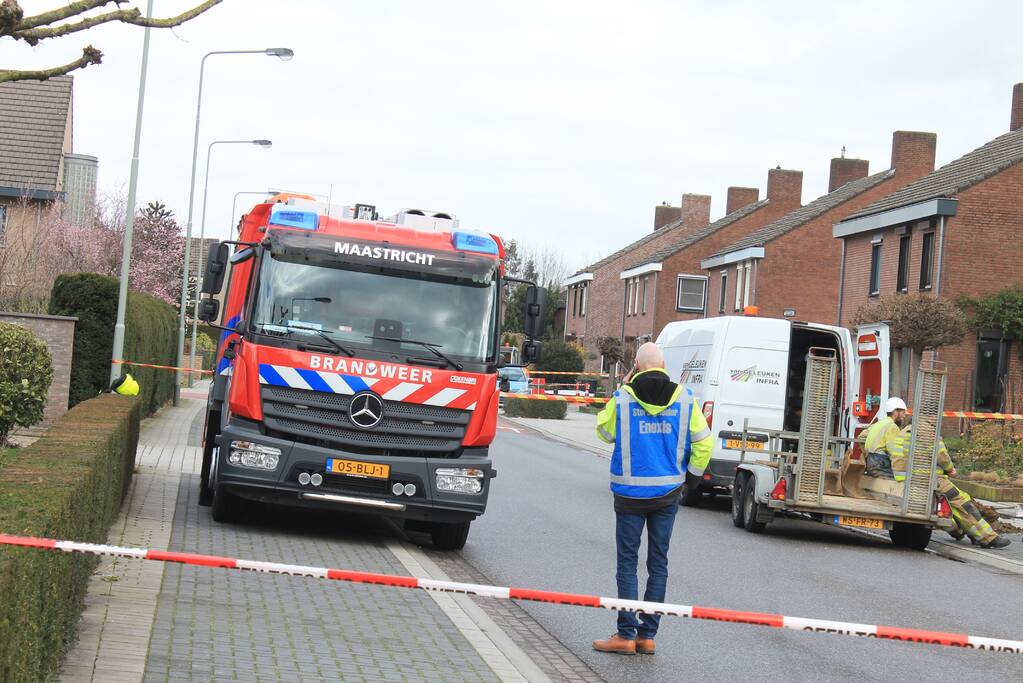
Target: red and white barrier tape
point(689, 611)
point(544, 397)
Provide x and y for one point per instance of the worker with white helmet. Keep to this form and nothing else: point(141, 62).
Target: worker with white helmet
point(879, 438)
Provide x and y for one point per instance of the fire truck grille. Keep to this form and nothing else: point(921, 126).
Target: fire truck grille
point(318, 417)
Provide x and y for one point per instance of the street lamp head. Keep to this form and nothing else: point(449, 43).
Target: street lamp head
point(282, 53)
point(262, 143)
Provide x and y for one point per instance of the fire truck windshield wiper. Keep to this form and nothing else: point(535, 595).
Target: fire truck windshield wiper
point(330, 340)
point(426, 345)
point(281, 329)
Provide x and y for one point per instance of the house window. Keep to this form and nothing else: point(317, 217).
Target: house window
point(3, 222)
point(722, 295)
point(927, 260)
point(989, 382)
point(738, 287)
point(644, 294)
point(631, 306)
point(746, 285)
point(875, 268)
point(902, 284)
point(582, 302)
point(691, 293)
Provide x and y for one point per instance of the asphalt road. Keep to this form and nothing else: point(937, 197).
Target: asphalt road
point(550, 524)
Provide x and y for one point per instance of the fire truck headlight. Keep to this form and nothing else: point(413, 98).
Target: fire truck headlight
point(467, 480)
point(258, 456)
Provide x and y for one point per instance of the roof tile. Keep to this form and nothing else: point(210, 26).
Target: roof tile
point(32, 122)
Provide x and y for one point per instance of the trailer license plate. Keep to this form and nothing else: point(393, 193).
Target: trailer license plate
point(354, 468)
point(862, 522)
point(736, 444)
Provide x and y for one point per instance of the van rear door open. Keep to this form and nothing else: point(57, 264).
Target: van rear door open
point(873, 356)
point(752, 378)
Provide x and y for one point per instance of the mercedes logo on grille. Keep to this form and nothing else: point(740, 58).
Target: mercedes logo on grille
point(367, 409)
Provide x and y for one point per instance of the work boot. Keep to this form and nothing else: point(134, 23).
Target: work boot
point(645, 646)
point(956, 533)
point(998, 542)
point(616, 644)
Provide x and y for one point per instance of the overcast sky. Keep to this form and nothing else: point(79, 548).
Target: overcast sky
point(555, 122)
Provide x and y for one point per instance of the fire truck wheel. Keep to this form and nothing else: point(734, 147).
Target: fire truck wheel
point(224, 505)
point(750, 506)
point(205, 492)
point(912, 536)
point(449, 536)
point(738, 488)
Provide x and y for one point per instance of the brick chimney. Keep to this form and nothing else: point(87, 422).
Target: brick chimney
point(665, 214)
point(913, 153)
point(847, 170)
point(695, 210)
point(785, 188)
point(739, 197)
point(1016, 122)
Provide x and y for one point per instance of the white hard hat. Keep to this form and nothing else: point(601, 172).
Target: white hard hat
point(894, 403)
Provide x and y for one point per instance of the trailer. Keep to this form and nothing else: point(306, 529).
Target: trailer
point(816, 475)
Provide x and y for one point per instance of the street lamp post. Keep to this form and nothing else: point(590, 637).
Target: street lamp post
point(265, 144)
point(281, 53)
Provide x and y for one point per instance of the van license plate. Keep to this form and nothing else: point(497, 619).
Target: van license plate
point(736, 444)
point(355, 468)
point(861, 522)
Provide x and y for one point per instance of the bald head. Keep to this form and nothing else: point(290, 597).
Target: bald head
point(649, 356)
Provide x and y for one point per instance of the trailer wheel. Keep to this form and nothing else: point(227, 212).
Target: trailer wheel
point(449, 536)
point(912, 536)
point(750, 507)
point(738, 487)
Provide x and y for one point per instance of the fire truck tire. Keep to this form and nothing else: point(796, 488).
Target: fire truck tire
point(738, 488)
point(205, 492)
point(912, 536)
point(224, 507)
point(449, 536)
point(750, 507)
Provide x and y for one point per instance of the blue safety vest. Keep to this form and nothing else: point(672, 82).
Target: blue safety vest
point(650, 455)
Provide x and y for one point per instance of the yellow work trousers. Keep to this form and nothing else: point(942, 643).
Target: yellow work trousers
point(965, 512)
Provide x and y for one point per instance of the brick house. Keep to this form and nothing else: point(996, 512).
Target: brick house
point(596, 295)
point(787, 267)
point(673, 273)
point(954, 232)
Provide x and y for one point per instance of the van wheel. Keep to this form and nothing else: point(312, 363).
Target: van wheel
point(738, 487)
point(691, 496)
point(449, 536)
point(750, 507)
point(912, 536)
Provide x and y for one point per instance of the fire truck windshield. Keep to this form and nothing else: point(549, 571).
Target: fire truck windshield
point(352, 304)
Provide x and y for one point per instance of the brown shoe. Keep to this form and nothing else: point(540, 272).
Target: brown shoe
point(645, 646)
point(616, 644)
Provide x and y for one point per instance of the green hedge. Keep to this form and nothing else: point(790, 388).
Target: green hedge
point(525, 407)
point(67, 485)
point(150, 336)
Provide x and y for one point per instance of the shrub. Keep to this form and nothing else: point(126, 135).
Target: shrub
point(150, 336)
point(990, 449)
point(561, 357)
point(526, 407)
point(26, 371)
point(67, 485)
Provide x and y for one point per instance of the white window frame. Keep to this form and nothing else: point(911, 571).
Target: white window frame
point(3, 222)
point(745, 289)
point(628, 297)
point(582, 305)
point(644, 293)
point(723, 296)
point(738, 286)
point(678, 293)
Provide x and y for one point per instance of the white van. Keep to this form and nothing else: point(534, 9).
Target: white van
point(753, 368)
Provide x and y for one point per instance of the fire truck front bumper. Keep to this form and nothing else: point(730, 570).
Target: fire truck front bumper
point(252, 465)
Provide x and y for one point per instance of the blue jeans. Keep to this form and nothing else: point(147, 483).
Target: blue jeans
point(659, 524)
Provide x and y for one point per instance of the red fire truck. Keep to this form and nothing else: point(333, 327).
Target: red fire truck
point(357, 368)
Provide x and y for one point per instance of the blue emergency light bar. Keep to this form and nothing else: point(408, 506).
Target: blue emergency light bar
point(284, 216)
point(470, 241)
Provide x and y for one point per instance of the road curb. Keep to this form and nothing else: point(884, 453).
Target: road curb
point(970, 554)
point(596, 450)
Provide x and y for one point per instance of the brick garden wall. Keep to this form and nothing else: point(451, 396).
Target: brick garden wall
point(58, 334)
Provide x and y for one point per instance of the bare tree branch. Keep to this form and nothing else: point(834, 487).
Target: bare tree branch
point(32, 36)
point(71, 9)
point(90, 55)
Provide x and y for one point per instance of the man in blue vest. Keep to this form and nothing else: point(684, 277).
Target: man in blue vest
point(660, 438)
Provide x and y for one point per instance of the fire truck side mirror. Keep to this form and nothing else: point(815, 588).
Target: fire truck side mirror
point(209, 310)
point(504, 385)
point(533, 314)
point(216, 268)
point(531, 352)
